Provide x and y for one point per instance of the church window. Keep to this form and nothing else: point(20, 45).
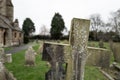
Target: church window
point(15, 34)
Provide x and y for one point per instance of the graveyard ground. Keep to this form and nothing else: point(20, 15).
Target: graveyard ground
point(37, 72)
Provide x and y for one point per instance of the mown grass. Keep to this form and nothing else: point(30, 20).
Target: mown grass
point(37, 72)
point(92, 73)
point(22, 72)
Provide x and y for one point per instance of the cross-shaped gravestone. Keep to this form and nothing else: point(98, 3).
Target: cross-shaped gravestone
point(68, 60)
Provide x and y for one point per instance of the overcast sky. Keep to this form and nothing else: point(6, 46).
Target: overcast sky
point(42, 11)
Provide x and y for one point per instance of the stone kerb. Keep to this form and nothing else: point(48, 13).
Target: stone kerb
point(98, 57)
point(9, 58)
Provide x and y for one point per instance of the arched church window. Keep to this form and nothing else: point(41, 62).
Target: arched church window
point(15, 34)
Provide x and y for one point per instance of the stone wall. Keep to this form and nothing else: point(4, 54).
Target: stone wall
point(98, 57)
point(3, 7)
point(10, 11)
point(2, 36)
point(6, 9)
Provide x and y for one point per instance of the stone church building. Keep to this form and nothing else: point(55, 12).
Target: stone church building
point(10, 32)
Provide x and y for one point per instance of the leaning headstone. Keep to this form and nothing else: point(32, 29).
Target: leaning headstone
point(40, 49)
point(30, 57)
point(2, 55)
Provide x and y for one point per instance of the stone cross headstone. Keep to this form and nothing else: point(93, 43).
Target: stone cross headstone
point(68, 65)
point(30, 57)
point(78, 42)
point(54, 54)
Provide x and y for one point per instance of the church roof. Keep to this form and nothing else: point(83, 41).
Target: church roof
point(5, 23)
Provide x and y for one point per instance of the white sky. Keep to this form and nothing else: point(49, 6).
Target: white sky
point(42, 11)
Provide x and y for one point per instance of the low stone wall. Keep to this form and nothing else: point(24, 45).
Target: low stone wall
point(98, 57)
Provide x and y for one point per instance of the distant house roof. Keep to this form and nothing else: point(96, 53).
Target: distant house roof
point(5, 23)
point(17, 28)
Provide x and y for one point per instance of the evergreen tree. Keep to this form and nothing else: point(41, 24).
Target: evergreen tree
point(57, 26)
point(28, 28)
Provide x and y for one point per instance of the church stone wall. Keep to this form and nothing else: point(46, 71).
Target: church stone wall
point(17, 38)
point(10, 13)
point(3, 7)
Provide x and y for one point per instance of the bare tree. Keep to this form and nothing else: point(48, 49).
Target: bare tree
point(44, 30)
point(115, 21)
point(96, 24)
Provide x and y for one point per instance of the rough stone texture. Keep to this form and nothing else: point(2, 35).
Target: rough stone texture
point(30, 57)
point(2, 55)
point(6, 9)
point(54, 54)
point(99, 57)
point(78, 41)
point(5, 74)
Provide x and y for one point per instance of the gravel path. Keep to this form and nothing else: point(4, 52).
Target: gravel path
point(15, 49)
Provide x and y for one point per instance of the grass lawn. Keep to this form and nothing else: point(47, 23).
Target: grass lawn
point(22, 72)
point(92, 73)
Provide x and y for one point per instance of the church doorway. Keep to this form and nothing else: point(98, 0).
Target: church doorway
point(4, 38)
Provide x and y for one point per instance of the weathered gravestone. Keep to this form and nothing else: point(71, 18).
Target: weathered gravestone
point(74, 60)
point(98, 57)
point(54, 54)
point(68, 60)
point(30, 57)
